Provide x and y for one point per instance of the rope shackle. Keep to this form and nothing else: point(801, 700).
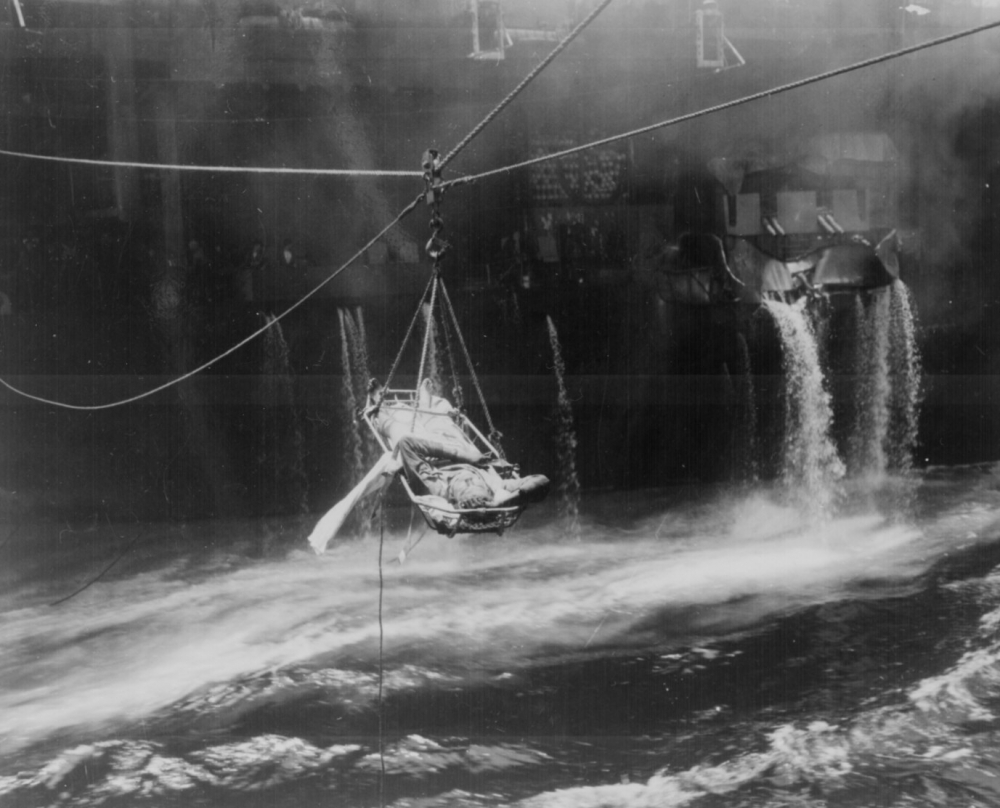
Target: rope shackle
point(432, 164)
point(436, 247)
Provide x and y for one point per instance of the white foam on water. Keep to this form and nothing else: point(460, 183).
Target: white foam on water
point(968, 691)
point(933, 739)
point(466, 609)
point(140, 769)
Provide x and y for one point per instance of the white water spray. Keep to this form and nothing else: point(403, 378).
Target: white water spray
point(866, 450)
point(282, 442)
point(349, 401)
point(353, 447)
point(358, 353)
point(811, 467)
point(904, 369)
point(887, 385)
point(360, 372)
point(744, 438)
point(275, 366)
point(568, 484)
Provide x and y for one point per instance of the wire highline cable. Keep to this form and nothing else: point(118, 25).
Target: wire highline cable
point(783, 88)
point(563, 44)
point(461, 144)
point(327, 172)
point(252, 336)
point(471, 178)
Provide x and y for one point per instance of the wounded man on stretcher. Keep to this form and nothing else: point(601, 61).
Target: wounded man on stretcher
point(445, 470)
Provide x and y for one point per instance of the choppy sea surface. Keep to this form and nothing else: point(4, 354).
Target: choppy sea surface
point(694, 646)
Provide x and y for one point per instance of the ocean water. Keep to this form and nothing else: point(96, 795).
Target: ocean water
point(702, 646)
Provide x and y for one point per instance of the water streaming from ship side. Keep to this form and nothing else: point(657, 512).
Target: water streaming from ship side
point(568, 483)
point(358, 453)
point(886, 384)
point(361, 375)
point(281, 450)
point(905, 370)
point(867, 441)
point(744, 438)
point(811, 467)
point(712, 645)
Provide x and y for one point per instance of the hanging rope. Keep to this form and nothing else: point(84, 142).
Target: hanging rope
point(381, 642)
point(103, 572)
point(494, 434)
point(436, 248)
point(524, 82)
point(433, 192)
point(425, 349)
point(457, 397)
point(409, 332)
point(435, 280)
point(782, 88)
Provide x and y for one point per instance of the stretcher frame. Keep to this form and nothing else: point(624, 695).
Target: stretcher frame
point(445, 519)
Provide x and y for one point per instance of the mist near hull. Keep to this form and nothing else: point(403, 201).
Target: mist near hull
point(686, 640)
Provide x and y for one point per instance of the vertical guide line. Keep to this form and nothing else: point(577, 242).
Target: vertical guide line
point(381, 637)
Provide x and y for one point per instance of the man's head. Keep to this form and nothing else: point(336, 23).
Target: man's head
point(467, 489)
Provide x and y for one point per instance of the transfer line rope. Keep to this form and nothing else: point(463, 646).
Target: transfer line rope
point(462, 144)
point(783, 88)
point(177, 380)
point(471, 178)
point(524, 83)
point(340, 172)
point(334, 172)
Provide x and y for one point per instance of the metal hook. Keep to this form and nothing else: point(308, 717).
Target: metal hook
point(436, 247)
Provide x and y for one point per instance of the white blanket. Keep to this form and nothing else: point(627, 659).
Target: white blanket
point(331, 523)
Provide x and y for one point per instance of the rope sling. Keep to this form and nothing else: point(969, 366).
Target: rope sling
point(415, 405)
